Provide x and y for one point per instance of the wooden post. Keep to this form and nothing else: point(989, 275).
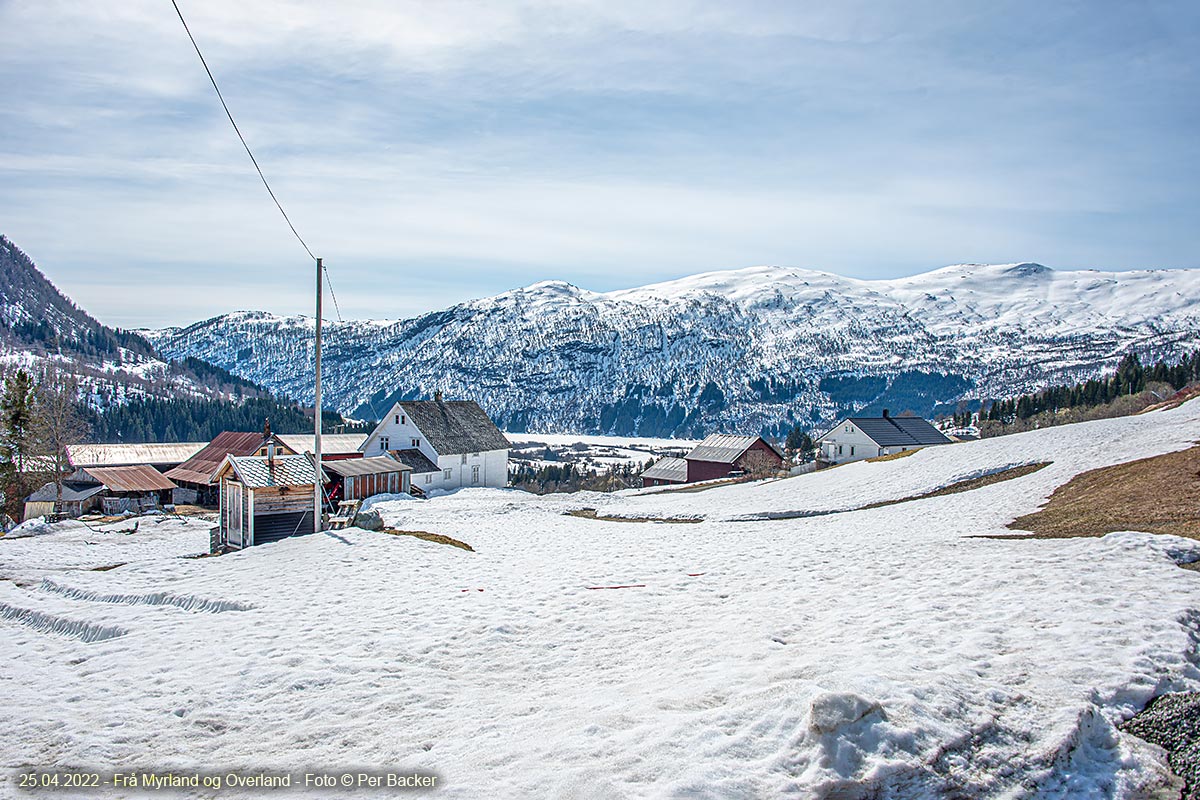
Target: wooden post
point(317, 487)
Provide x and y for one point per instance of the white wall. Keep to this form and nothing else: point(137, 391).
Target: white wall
point(493, 464)
point(847, 442)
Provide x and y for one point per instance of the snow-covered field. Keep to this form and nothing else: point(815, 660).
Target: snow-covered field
point(874, 653)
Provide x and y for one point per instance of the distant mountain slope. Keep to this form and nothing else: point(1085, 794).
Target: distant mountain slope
point(40, 326)
point(751, 349)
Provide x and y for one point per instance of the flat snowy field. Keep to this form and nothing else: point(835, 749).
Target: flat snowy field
point(874, 653)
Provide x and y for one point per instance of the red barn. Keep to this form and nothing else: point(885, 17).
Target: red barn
point(718, 456)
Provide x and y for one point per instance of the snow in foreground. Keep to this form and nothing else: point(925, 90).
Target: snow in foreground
point(881, 653)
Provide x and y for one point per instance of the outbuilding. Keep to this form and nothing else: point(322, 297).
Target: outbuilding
point(134, 489)
point(265, 498)
point(360, 478)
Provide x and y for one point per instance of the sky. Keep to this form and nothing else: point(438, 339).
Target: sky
point(438, 151)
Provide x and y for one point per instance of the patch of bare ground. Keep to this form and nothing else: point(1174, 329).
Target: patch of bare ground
point(590, 513)
point(970, 484)
point(437, 538)
point(1175, 400)
point(891, 456)
point(1160, 494)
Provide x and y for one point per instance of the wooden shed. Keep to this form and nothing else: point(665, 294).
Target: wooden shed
point(77, 499)
point(265, 498)
point(359, 478)
point(134, 489)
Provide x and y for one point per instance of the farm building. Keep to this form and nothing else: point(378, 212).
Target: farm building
point(856, 438)
point(334, 446)
point(265, 498)
point(197, 477)
point(665, 471)
point(718, 456)
point(359, 478)
point(77, 499)
point(457, 444)
point(109, 490)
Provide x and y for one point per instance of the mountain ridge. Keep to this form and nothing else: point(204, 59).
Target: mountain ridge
point(760, 348)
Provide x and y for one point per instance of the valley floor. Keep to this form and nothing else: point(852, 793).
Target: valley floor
point(898, 651)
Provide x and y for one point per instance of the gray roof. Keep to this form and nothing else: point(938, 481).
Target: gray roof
point(417, 461)
point(124, 455)
point(455, 426)
point(330, 442)
point(378, 465)
point(668, 469)
point(256, 473)
point(72, 492)
point(723, 448)
point(893, 431)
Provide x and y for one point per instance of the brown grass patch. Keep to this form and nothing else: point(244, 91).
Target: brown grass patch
point(590, 513)
point(1156, 495)
point(892, 456)
point(431, 537)
point(968, 485)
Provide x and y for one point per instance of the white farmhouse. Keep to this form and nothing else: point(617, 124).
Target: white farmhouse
point(856, 438)
point(448, 443)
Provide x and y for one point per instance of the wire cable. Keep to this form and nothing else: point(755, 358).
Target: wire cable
point(236, 130)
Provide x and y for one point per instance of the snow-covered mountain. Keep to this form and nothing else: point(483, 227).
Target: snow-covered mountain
point(757, 348)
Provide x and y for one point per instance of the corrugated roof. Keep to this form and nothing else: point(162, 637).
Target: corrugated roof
point(455, 426)
point(379, 465)
point(140, 478)
point(202, 467)
point(72, 492)
point(256, 472)
point(668, 469)
point(417, 460)
point(721, 447)
point(123, 455)
point(893, 431)
point(331, 443)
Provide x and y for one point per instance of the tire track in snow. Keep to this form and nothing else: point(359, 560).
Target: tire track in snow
point(185, 601)
point(49, 623)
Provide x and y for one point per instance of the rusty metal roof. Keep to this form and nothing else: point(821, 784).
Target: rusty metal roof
point(202, 467)
point(378, 465)
point(140, 478)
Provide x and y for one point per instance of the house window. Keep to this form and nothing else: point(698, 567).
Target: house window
point(397, 419)
point(383, 444)
point(401, 419)
point(416, 442)
point(474, 455)
point(446, 473)
point(849, 429)
point(839, 449)
point(475, 474)
point(429, 477)
point(464, 458)
point(851, 449)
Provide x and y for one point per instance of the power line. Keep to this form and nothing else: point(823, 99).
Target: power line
point(254, 160)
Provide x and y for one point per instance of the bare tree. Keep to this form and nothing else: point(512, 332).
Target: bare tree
point(58, 423)
point(757, 464)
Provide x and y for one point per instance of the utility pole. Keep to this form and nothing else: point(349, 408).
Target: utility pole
point(318, 487)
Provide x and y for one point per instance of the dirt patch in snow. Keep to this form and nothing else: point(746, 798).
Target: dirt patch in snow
point(431, 537)
point(1156, 495)
point(590, 513)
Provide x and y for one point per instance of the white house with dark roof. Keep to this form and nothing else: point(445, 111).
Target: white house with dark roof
point(856, 438)
point(448, 443)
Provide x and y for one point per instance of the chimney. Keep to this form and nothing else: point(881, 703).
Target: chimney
point(266, 428)
point(437, 396)
point(885, 413)
point(271, 454)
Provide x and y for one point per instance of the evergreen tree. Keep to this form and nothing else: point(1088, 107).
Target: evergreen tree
point(17, 421)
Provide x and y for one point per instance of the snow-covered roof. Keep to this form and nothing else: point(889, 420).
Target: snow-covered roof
point(668, 469)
